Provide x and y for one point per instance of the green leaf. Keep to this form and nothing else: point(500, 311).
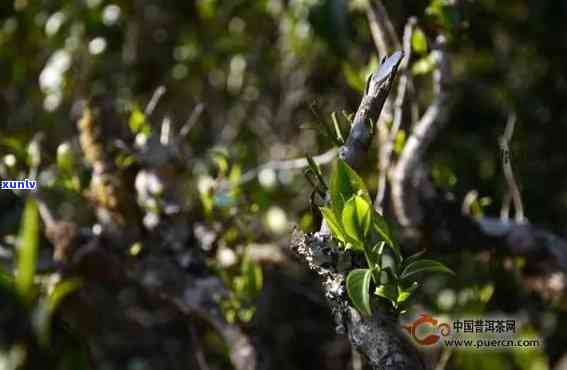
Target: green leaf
point(389, 292)
point(419, 41)
point(424, 65)
point(412, 287)
point(334, 224)
point(317, 171)
point(138, 123)
point(400, 142)
point(404, 294)
point(65, 158)
point(15, 145)
point(414, 257)
point(358, 287)
point(374, 254)
point(62, 290)
point(323, 125)
point(424, 266)
point(34, 153)
point(252, 272)
point(44, 310)
point(444, 14)
point(402, 297)
point(252, 277)
point(344, 184)
point(219, 156)
point(389, 275)
point(337, 127)
point(27, 250)
point(357, 217)
point(383, 230)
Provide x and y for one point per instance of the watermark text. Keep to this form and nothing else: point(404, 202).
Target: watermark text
point(24, 184)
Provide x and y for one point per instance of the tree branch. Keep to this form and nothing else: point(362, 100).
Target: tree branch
point(362, 130)
point(404, 196)
point(447, 229)
point(378, 338)
point(388, 137)
point(381, 28)
point(513, 188)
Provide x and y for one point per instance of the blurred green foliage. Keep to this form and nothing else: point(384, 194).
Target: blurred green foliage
point(32, 302)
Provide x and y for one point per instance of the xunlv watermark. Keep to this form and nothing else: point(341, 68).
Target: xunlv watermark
point(24, 184)
point(473, 333)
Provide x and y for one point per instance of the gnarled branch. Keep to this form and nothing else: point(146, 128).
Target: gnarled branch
point(388, 137)
point(362, 130)
point(404, 195)
point(378, 338)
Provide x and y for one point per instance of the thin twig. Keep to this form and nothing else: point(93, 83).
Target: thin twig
point(404, 198)
point(444, 360)
point(290, 164)
point(389, 136)
point(505, 210)
point(362, 130)
point(192, 120)
point(386, 40)
point(367, 116)
point(242, 353)
point(45, 213)
point(468, 201)
point(165, 133)
point(511, 182)
point(158, 93)
point(381, 28)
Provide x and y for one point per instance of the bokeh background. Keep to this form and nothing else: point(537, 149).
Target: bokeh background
point(240, 79)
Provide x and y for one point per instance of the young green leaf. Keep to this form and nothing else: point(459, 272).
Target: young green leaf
point(358, 286)
point(374, 254)
point(357, 217)
point(334, 224)
point(65, 159)
point(252, 273)
point(424, 266)
point(339, 187)
point(357, 185)
point(27, 250)
point(404, 294)
point(61, 290)
point(138, 123)
point(419, 41)
point(344, 184)
point(389, 292)
point(383, 230)
point(47, 306)
point(423, 65)
point(399, 142)
point(382, 227)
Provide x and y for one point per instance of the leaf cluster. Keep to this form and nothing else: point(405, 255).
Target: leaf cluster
point(356, 225)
